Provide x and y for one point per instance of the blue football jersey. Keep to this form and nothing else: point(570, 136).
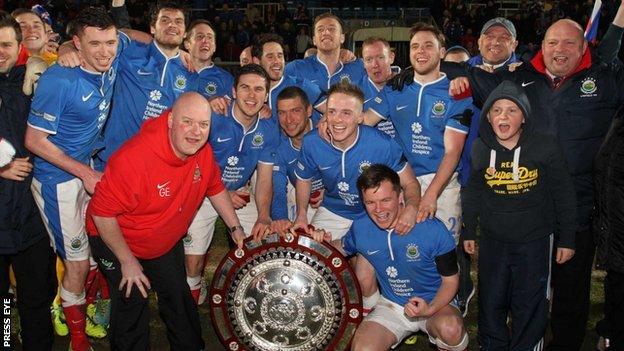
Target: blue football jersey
point(404, 264)
point(286, 157)
point(316, 72)
point(339, 169)
point(72, 105)
point(420, 114)
point(238, 151)
point(148, 83)
point(212, 81)
point(371, 98)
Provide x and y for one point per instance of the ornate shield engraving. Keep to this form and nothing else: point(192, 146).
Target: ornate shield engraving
point(286, 293)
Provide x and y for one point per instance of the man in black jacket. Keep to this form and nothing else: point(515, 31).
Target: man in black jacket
point(578, 93)
point(608, 228)
point(24, 243)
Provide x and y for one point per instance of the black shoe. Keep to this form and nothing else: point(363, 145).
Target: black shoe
point(463, 304)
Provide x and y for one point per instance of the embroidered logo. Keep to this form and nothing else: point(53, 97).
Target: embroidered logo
point(180, 82)
point(439, 108)
point(588, 86)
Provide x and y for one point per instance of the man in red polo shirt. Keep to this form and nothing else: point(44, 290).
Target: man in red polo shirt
point(139, 213)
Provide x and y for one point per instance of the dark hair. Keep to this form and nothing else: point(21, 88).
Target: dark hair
point(252, 68)
point(257, 48)
point(325, 15)
point(426, 27)
point(293, 92)
point(373, 176)
point(347, 89)
point(7, 21)
point(92, 17)
point(170, 5)
point(196, 23)
point(22, 11)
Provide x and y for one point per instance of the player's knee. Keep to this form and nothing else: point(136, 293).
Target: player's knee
point(451, 330)
point(194, 265)
point(361, 344)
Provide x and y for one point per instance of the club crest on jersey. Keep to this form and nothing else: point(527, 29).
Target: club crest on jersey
point(588, 86)
point(211, 88)
point(196, 174)
point(364, 165)
point(180, 82)
point(412, 252)
point(345, 78)
point(257, 140)
point(439, 108)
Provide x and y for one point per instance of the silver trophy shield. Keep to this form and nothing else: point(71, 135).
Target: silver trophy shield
point(287, 293)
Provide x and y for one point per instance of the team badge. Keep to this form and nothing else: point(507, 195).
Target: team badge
point(364, 165)
point(188, 240)
point(196, 174)
point(416, 128)
point(107, 264)
point(211, 88)
point(378, 100)
point(75, 243)
point(345, 78)
point(588, 86)
point(343, 186)
point(439, 108)
point(257, 140)
point(180, 82)
point(412, 251)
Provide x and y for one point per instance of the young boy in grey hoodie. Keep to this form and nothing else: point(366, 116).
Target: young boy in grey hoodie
point(522, 197)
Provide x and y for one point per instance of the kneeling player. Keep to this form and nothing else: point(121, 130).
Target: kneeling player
point(417, 272)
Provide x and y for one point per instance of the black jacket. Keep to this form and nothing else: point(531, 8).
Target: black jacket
point(20, 222)
point(519, 203)
point(609, 184)
point(578, 112)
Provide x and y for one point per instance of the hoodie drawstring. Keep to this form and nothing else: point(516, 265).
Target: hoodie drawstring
point(492, 168)
point(516, 161)
point(515, 169)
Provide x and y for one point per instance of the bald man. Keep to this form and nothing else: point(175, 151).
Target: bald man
point(575, 97)
point(139, 213)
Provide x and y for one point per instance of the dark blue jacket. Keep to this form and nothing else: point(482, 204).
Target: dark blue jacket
point(20, 222)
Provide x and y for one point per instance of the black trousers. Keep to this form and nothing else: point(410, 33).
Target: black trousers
point(36, 288)
point(465, 280)
point(612, 326)
point(513, 279)
point(129, 321)
point(570, 306)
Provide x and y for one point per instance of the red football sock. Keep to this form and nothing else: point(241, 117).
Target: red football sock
point(91, 286)
point(75, 318)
